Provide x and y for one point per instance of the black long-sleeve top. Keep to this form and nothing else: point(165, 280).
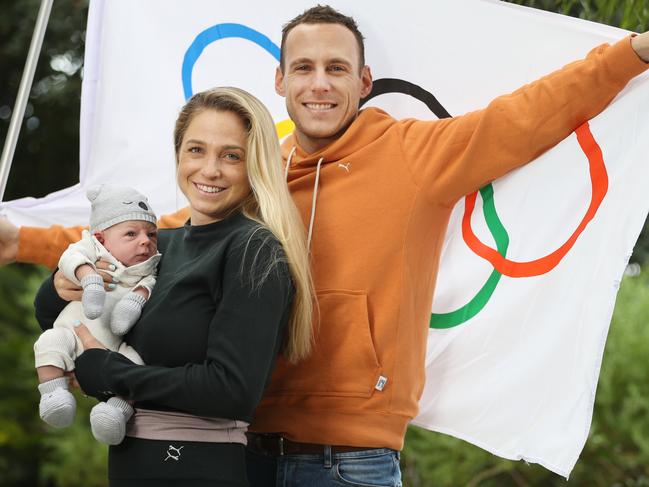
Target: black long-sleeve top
point(211, 330)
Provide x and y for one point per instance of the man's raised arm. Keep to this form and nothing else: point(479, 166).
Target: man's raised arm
point(38, 245)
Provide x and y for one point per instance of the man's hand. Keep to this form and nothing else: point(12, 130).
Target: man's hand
point(640, 44)
point(69, 291)
point(8, 241)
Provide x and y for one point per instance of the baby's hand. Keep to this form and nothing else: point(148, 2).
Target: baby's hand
point(69, 291)
point(95, 284)
point(94, 295)
point(126, 312)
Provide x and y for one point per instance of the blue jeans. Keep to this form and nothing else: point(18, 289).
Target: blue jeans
point(366, 468)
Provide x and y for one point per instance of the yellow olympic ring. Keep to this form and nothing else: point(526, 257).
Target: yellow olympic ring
point(284, 128)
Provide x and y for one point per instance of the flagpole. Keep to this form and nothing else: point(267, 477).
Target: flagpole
point(23, 93)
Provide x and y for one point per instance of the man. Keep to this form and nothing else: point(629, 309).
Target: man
point(376, 195)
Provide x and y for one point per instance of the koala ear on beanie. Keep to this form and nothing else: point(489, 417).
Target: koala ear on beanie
point(93, 192)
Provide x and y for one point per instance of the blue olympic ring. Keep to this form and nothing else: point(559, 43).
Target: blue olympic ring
point(214, 33)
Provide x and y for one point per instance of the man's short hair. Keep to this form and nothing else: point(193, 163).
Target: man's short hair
point(324, 14)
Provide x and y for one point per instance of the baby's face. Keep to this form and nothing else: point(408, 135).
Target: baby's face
point(131, 242)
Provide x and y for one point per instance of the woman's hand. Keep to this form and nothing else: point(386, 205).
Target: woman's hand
point(88, 374)
point(65, 288)
point(87, 339)
point(101, 266)
point(69, 291)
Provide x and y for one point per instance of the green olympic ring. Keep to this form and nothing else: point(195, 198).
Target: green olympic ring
point(473, 307)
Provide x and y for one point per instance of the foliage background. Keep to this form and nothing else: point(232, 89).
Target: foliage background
point(46, 159)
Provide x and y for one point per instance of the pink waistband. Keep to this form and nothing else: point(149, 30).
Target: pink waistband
point(172, 425)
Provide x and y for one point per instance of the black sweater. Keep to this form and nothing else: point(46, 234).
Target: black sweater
point(211, 330)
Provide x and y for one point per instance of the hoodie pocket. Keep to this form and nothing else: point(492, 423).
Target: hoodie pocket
point(343, 361)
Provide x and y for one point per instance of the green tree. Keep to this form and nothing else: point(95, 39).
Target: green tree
point(19, 431)
point(46, 160)
point(627, 14)
point(47, 153)
point(30, 452)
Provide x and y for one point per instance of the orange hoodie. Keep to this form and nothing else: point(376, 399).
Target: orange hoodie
point(384, 194)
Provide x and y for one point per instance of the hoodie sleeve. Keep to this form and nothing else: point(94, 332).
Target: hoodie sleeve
point(37, 245)
point(456, 156)
point(45, 245)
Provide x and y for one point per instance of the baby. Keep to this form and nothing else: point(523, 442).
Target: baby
point(122, 232)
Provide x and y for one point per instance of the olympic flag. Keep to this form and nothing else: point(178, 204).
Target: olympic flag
point(530, 268)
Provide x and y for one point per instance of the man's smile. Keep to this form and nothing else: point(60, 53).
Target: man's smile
point(319, 106)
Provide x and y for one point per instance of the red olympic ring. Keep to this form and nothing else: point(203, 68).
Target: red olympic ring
point(599, 184)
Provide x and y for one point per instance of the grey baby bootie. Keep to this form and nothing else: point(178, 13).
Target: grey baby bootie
point(126, 312)
point(57, 406)
point(108, 420)
point(93, 296)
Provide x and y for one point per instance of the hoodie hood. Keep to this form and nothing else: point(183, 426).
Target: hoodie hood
point(369, 125)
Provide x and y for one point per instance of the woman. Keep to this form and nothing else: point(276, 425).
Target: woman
point(228, 284)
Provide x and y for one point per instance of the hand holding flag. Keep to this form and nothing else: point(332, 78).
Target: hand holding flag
point(640, 44)
point(8, 241)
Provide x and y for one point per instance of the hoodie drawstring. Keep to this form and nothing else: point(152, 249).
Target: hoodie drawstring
point(288, 162)
point(315, 193)
point(313, 203)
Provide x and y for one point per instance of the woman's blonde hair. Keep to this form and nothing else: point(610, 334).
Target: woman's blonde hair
point(270, 203)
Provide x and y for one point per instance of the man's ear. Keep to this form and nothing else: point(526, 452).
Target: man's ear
point(366, 81)
point(279, 82)
point(100, 237)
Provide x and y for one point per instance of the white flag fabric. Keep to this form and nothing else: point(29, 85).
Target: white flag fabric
point(530, 268)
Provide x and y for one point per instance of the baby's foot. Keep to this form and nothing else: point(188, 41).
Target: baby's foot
point(57, 405)
point(93, 296)
point(108, 420)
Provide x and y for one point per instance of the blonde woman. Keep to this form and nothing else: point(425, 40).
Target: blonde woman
point(233, 291)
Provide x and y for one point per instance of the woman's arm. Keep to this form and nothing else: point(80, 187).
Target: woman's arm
point(47, 304)
point(244, 338)
point(57, 291)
